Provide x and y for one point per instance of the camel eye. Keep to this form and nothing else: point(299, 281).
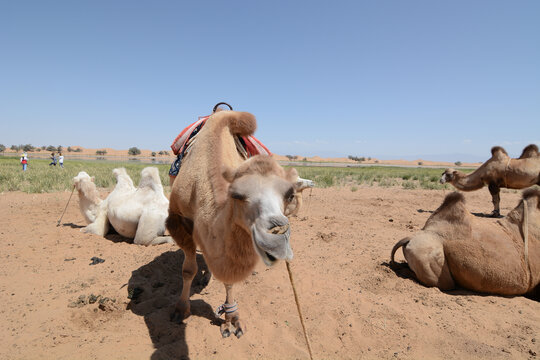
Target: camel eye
point(238, 196)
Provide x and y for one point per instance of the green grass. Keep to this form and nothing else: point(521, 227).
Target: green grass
point(41, 178)
point(385, 176)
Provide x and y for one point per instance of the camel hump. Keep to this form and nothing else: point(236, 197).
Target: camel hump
point(498, 150)
point(240, 123)
point(529, 151)
point(452, 199)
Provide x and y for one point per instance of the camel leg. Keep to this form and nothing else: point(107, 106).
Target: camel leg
point(150, 228)
point(231, 316)
point(425, 256)
point(100, 226)
point(494, 190)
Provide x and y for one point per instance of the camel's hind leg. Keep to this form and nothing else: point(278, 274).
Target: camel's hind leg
point(425, 257)
point(181, 230)
point(232, 316)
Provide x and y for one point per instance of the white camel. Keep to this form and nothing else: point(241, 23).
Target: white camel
point(137, 213)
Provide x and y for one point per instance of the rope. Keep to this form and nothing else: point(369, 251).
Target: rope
point(299, 310)
point(59, 220)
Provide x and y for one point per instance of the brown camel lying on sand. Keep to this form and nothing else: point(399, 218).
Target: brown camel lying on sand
point(484, 255)
point(500, 171)
point(230, 208)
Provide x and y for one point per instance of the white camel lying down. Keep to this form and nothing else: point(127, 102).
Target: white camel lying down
point(457, 248)
point(137, 213)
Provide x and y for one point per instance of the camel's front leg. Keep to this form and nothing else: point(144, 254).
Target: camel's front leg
point(230, 308)
point(189, 270)
point(494, 190)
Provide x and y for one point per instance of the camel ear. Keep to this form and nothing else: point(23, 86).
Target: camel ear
point(228, 173)
point(291, 175)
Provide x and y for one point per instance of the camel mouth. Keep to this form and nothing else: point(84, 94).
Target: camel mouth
point(273, 244)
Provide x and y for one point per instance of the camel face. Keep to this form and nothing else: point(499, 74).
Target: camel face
point(447, 176)
point(80, 178)
point(259, 204)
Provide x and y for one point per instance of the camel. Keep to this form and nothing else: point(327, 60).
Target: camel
point(137, 213)
point(500, 171)
point(230, 208)
point(484, 255)
point(89, 200)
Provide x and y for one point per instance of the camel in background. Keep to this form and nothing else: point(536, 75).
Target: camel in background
point(136, 213)
point(500, 171)
point(232, 209)
point(484, 255)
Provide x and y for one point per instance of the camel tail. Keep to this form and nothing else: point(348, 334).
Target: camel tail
point(240, 123)
point(400, 243)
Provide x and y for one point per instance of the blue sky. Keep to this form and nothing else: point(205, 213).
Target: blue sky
point(388, 79)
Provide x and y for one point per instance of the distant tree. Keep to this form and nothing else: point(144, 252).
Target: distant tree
point(14, 148)
point(59, 148)
point(166, 153)
point(78, 150)
point(356, 158)
point(304, 159)
point(101, 152)
point(51, 148)
point(457, 163)
point(43, 147)
point(134, 151)
point(153, 154)
point(28, 147)
point(37, 149)
point(2, 148)
point(69, 149)
point(290, 157)
point(420, 163)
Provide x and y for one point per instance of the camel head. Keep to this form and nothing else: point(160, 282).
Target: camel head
point(448, 176)
point(82, 178)
point(260, 191)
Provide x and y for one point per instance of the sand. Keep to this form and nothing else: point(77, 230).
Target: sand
point(58, 306)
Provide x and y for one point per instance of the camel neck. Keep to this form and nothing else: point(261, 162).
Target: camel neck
point(467, 182)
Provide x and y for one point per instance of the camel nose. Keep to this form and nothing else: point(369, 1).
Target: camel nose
point(278, 225)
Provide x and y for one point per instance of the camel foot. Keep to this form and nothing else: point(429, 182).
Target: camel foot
point(236, 324)
point(495, 214)
point(181, 312)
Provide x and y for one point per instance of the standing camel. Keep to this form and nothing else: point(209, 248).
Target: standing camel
point(230, 208)
point(500, 171)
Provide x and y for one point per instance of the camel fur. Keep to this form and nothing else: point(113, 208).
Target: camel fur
point(483, 255)
point(136, 213)
point(230, 208)
point(500, 171)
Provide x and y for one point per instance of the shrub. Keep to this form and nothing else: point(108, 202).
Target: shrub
point(51, 148)
point(14, 147)
point(2, 148)
point(28, 147)
point(69, 149)
point(457, 163)
point(153, 154)
point(420, 163)
point(59, 148)
point(134, 151)
point(101, 152)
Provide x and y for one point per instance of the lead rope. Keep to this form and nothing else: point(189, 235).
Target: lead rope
point(299, 310)
point(58, 223)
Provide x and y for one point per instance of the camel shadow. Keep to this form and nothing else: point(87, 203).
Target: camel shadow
point(72, 225)
point(423, 211)
point(154, 289)
point(482, 215)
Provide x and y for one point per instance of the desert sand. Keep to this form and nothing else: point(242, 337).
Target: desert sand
point(56, 305)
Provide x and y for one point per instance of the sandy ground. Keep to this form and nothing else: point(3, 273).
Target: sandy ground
point(55, 305)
